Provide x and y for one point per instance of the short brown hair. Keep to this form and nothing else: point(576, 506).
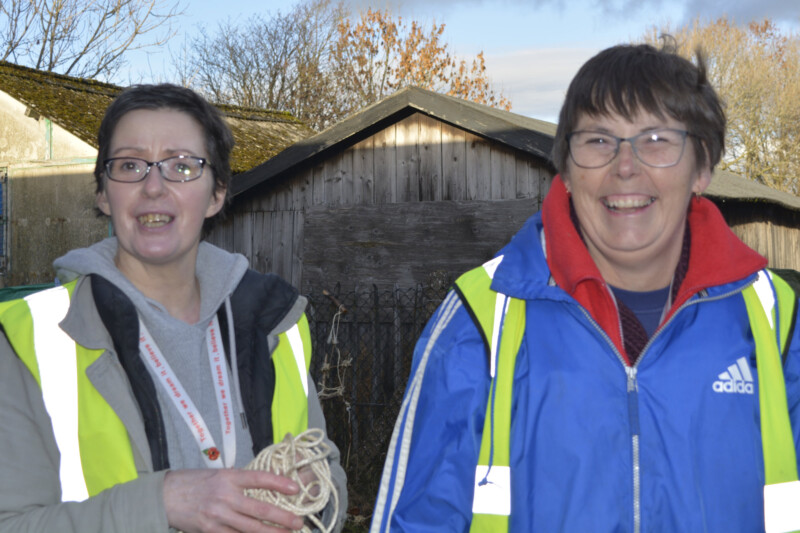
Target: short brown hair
point(626, 79)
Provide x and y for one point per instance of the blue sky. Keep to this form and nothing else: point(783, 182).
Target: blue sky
point(532, 47)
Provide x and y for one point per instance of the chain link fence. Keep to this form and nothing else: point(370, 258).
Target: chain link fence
point(363, 343)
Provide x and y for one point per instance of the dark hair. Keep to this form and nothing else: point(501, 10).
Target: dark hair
point(219, 140)
point(627, 79)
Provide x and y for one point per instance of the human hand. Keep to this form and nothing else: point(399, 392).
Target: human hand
point(307, 477)
point(214, 501)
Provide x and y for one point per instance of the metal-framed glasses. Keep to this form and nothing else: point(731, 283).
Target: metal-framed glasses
point(655, 148)
point(178, 168)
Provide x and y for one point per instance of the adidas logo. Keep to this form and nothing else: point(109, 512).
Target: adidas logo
point(737, 379)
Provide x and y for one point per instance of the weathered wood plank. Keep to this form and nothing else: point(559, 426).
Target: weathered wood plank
point(283, 233)
point(345, 173)
point(284, 195)
point(430, 159)
point(524, 184)
point(403, 243)
point(332, 172)
point(408, 159)
point(318, 184)
point(364, 171)
point(545, 180)
point(222, 233)
point(262, 242)
point(298, 231)
point(302, 189)
point(454, 163)
point(478, 168)
point(504, 173)
point(243, 235)
point(385, 164)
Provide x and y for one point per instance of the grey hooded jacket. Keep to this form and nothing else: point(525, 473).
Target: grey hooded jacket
point(30, 492)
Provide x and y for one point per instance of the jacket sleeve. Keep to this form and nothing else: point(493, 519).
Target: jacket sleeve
point(791, 375)
point(316, 419)
point(30, 493)
point(429, 474)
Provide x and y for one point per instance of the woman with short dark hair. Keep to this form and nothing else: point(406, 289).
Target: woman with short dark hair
point(132, 397)
point(617, 366)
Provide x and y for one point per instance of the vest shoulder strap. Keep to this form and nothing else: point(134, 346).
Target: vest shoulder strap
point(93, 443)
point(501, 322)
point(292, 360)
point(771, 308)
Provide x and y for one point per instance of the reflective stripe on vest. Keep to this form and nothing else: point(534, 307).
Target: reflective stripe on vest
point(92, 442)
point(491, 507)
point(292, 360)
point(781, 488)
point(495, 312)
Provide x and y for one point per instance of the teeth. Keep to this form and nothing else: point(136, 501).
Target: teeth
point(629, 202)
point(154, 220)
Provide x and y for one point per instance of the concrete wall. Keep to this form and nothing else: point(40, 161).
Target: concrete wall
point(51, 211)
point(49, 200)
point(35, 138)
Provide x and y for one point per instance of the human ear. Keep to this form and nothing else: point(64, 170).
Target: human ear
point(102, 203)
point(702, 180)
point(567, 183)
point(217, 201)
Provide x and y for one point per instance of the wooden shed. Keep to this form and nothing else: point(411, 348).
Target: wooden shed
point(422, 186)
point(48, 148)
point(766, 219)
point(417, 185)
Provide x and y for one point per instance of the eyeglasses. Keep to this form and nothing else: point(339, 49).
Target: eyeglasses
point(655, 148)
point(178, 168)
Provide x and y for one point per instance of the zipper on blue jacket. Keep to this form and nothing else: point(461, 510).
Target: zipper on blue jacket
point(633, 416)
point(633, 391)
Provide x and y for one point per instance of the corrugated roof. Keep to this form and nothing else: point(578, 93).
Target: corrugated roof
point(78, 105)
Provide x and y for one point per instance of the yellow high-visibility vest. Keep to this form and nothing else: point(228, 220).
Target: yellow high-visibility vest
point(93, 443)
point(501, 320)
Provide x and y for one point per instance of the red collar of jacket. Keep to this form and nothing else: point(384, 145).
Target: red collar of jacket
point(716, 257)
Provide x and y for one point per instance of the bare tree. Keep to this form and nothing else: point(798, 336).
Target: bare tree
point(321, 65)
point(278, 62)
point(85, 38)
point(756, 71)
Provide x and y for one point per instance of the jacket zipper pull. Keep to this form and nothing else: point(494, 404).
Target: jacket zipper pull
point(633, 399)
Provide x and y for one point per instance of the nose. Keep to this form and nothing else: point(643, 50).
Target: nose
point(153, 184)
point(626, 160)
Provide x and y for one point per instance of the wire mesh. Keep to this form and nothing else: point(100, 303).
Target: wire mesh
point(363, 342)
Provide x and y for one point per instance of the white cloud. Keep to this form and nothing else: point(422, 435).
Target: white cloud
point(536, 80)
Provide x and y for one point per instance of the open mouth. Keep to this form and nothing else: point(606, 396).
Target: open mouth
point(154, 220)
point(628, 203)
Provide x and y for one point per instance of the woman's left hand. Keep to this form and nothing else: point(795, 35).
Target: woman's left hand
point(210, 501)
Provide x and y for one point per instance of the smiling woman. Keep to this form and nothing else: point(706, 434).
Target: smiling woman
point(604, 371)
point(132, 406)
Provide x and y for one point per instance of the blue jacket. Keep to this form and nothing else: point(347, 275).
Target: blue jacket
point(573, 417)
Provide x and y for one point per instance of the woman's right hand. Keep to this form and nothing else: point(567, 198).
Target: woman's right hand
point(214, 501)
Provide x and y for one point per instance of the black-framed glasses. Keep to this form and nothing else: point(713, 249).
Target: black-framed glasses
point(178, 168)
point(655, 148)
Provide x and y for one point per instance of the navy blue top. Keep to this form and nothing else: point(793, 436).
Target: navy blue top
point(647, 306)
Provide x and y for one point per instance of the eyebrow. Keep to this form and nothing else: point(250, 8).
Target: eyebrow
point(139, 150)
point(601, 129)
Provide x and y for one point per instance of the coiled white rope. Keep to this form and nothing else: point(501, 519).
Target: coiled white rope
point(286, 458)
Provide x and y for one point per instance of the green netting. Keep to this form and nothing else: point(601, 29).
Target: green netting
point(12, 293)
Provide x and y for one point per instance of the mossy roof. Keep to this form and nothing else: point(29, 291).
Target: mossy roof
point(78, 105)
